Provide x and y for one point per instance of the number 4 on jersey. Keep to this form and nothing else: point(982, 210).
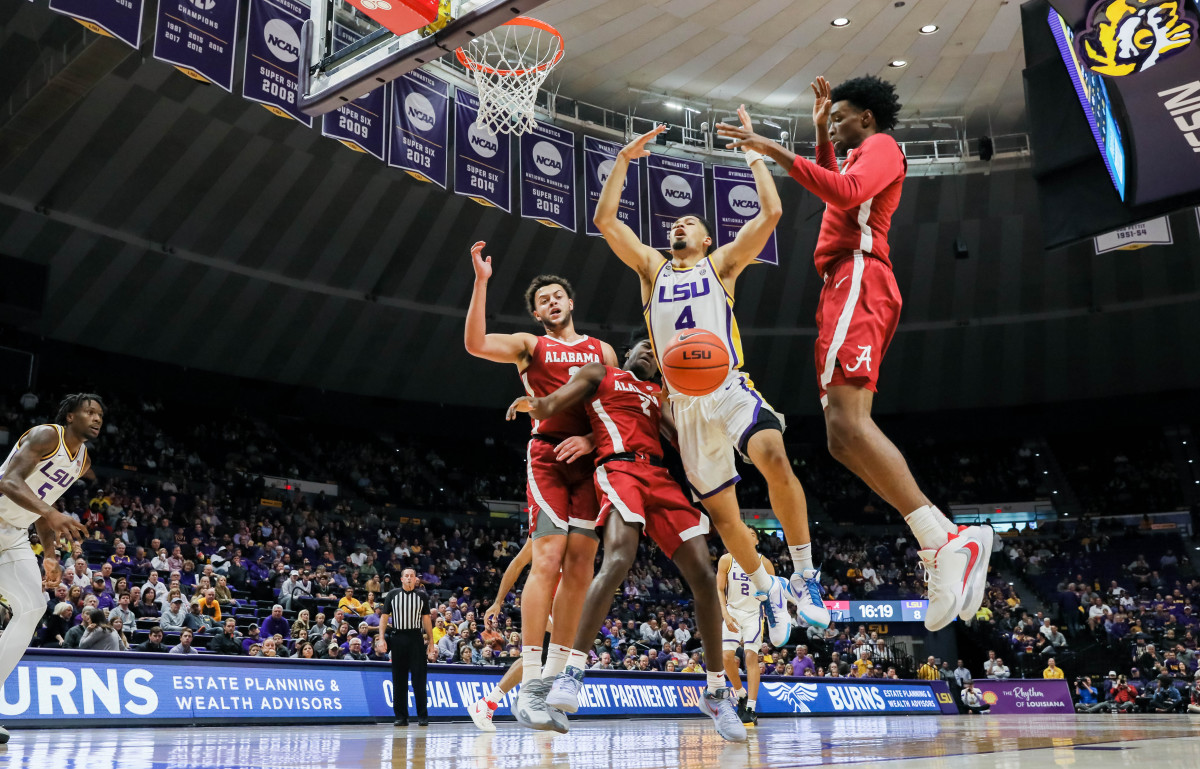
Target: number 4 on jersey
point(685, 319)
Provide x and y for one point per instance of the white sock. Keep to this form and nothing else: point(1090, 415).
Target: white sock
point(929, 526)
point(761, 579)
point(495, 695)
point(739, 693)
point(801, 556)
point(716, 682)
point(577, 659)
point(556, 660)
point(751, 703)
point(531, 659)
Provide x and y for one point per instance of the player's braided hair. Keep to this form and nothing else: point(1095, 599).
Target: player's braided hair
point(540, 282)
point(71, 403)
point(871, 93)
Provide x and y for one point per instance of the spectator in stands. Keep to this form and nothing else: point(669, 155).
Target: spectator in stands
point(447, 648)
point(253, 638)
point(604, 663)
point(962, 675)
point(929, 671)
point(999, 671)
point(1165, 698)
point(58, 624)
point(803, 664)
point(350, 604)
point(317, 629)
point(154, 643)
point(276, 623)
point(1124, 697)
point(301, 626)
point(224, 594)
point(1052, 670)
point(175, 617)
point(379, 653)
point(147, 607)
point(1087, 699)
point(1194, 705)
point(209, 606)
point(228, 641)
point(972, 699)
point(354, 652)
point(122, 611)
point(197, 621)
point(98, 634)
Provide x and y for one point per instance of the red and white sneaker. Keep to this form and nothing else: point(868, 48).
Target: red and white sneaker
point(977, 588)
point(951, 571)
point(481, 713)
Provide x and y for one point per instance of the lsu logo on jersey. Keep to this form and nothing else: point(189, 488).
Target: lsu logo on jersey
point(1124, 37)
point(682, 292)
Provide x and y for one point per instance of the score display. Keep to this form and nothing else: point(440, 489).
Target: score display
point(878, 611)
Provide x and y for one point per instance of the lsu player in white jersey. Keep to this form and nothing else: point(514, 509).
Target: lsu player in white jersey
point(46, 461)
point(743, 627)
point(695, 289)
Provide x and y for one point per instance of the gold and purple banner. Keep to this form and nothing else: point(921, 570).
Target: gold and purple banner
point(198, 37)
point(273, 56)
point(120, 19)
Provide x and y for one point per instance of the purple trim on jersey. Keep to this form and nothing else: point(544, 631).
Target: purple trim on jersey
point(729, 335)
point(722, 487)
point(758, 634)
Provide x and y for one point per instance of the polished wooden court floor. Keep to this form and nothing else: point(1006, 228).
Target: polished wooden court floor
point(928, 742)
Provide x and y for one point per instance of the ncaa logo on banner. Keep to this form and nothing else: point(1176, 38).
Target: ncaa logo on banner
point(676, 190)
point(282, 40)
point(604, 170)
point(547, 158)
point(419, 112)
point(744, 201)
point(483, 142)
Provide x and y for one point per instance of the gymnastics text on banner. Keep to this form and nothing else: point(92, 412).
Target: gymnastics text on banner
point(362, 124)
point(198, 38)
point(674, 188)
point(598, 159)
point(120, 19)
point(548, 176)
point(735, 200)
point(420, 127)
point(273, 56)
point(481, 158)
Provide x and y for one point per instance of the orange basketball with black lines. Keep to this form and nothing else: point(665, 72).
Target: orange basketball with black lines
point(695, 362)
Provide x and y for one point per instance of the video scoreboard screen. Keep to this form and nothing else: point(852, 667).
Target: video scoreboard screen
point(878, 611)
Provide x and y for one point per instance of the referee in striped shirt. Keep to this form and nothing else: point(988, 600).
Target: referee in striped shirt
point(405, 616)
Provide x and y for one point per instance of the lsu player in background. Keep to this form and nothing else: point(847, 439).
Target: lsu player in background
point(742, 614)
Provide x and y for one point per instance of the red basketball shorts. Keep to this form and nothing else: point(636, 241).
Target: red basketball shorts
point(856, 320)
point(647, 495)
point(559, 494)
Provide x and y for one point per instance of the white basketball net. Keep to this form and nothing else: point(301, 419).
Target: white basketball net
point(509, 65)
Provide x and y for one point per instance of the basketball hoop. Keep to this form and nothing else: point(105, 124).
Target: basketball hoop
point(509, 64)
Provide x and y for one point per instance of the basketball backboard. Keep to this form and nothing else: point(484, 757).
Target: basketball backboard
point(349, 54)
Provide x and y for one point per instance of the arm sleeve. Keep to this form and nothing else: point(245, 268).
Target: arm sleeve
point(877, 165)
point(826, 158)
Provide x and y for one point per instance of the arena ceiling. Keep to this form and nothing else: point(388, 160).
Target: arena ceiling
point(183, 224)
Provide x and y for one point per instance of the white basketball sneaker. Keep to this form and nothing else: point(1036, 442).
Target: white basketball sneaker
point(949, 572)
point(977, 589)
point(775, 606)
point(481, 713)
point(810, 601)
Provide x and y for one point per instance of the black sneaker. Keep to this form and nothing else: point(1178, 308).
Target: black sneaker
point(422, 722)
point(741, 707)
point(750, 717)
point(401, 722)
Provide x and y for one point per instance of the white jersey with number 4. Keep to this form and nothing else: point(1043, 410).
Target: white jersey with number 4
point(740, 591)
point(692, 298)
point(54, 474)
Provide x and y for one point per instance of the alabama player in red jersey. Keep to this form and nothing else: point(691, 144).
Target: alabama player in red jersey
point(562, 501)
point(857, 316)
point(636, 492)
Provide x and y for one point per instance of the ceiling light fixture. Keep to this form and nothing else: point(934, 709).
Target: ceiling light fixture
point(898, 63)
point(671, 105)
point(840, 21)
point(928, 29)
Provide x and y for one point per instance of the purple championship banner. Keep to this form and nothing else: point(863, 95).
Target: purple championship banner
point(598, 159)
point(420, 126)
point(198, 38)
point(1026, 697)
point(362, 124)
point(735, 198)
point(548, 176)
point(273, 56)
point(121, 19)
point(675, 188)
point(481, 158)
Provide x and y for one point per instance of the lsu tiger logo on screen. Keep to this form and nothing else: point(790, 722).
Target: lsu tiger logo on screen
point(1125, 37)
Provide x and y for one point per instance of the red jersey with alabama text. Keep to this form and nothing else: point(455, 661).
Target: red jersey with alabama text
point(625, 414)
point(554, 363)
point(860, 198)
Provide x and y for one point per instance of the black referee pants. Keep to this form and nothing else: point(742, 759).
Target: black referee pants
point(408, 657)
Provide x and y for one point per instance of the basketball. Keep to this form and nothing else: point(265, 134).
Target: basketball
point(695, 362)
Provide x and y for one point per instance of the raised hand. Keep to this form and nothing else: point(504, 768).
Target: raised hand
point(637, 148)
point(743, 135)
point(481, 263)
point(823, 104)
point(523, 404)
point(63, 526)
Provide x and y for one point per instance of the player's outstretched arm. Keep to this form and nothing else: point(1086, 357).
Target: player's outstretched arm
point(40, 443)
point(580, 386)
point(731, 259)
point(511, 574)
point(621, 239)
point(499, 348)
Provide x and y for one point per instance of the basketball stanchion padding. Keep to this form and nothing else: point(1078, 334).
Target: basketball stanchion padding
point(509, 65)
point(695, 362)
